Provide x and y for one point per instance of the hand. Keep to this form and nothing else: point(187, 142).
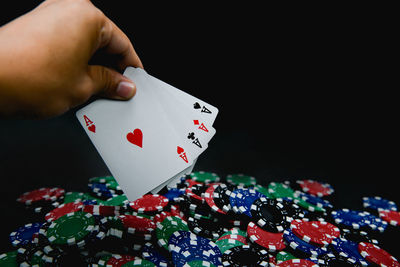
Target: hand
point(45, 55)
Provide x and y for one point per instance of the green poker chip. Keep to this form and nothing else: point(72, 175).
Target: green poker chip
point(263, 190)
point(119, 200)
point(280, 190)
point(139, 262)
point(226, 244)
point(199, 263)
point(308, 206)
point(284, 256)
point(205, 177)
point(167, 227)
point(71, 228)
point(235, 232)
point(9, 259)
point(241, 180)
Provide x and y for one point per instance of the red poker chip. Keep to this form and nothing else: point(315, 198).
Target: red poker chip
point(103, 210)
point(62, 210)
point(239, 238)
point(149, 203)
point(190, 182)
point(316, 188)
point(190, 192)
point(40, 194)
point(137, 224)
point(270, 241)
point(375, 254)
point(208, 196)
point(119, 260)
point(315, 232)
point(297, 263)
point(175, 211)
point(391, 216)
point(56, 193)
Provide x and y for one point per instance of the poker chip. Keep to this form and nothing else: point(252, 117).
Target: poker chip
point(297, 262)
point(245, 198)
point(315, 188)
point(378, 203)
point(349, 218)
point(390, 216)
point(280, 190)
point(225, 244)
point(70, 228)
point(196, 192)
point(119, 260)
point(150, 253)
point(348, 250)
point(24, 235)
point(9, 258)
point(167, 227)
point(270, 214)
point(270, 241)
point(209, 198)
point(241, 180)
point(149, 203)
point(302, 248)
point(357, 236)
point(205, 177)
point(62, 210)
point(245, 256)
point(315, 232)
point(284, 256)
point(374, 254)
point(200, 221)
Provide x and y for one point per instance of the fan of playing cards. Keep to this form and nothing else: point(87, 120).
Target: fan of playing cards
point(151, 140)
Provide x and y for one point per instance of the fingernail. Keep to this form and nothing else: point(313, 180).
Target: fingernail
point(125, 89)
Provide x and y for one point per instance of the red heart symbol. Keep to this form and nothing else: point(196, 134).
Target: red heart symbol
point(92, 128)
point(136, 137)
point(180, 150)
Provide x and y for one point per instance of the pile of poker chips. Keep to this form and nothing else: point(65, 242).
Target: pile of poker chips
point(203, 221)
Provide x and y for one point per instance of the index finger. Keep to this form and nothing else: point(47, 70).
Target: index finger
point(114, 41)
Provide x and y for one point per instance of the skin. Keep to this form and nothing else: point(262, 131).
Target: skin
point(46, 55)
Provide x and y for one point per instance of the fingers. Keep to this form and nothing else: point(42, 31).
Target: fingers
point(110, 83)
point(115, 42)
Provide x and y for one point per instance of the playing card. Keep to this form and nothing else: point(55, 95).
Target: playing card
point(174, 180)
point(135, 138)
point(206, 112)
point(195, 133)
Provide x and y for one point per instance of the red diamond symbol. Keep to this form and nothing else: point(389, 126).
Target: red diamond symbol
point(196, 122)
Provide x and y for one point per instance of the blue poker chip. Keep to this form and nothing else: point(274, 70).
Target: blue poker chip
point(173, 194)
point(89, 202)
point(302, 247)
point(245, 198)
point(314, 200)
point(378, 203)
point(150, 253)
point(23, 235)
point(348, 250)
point(374, 223)
point(101, 190)
point(350, 218)
point(186, 246)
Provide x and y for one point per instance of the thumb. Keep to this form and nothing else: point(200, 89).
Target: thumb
point(110, 83)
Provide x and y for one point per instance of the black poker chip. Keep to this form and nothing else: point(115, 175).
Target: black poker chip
point(271, 215)
point(357, 236)
point(206, 227)
point(245, 256)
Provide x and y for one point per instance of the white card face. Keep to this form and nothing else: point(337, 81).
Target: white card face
point(174, 180)
point(194, 132)
point(206, 112)
point(135, 139)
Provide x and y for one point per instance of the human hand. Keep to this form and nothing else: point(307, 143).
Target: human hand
point(45, 59)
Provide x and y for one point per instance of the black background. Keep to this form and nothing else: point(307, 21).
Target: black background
point(302, 93)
